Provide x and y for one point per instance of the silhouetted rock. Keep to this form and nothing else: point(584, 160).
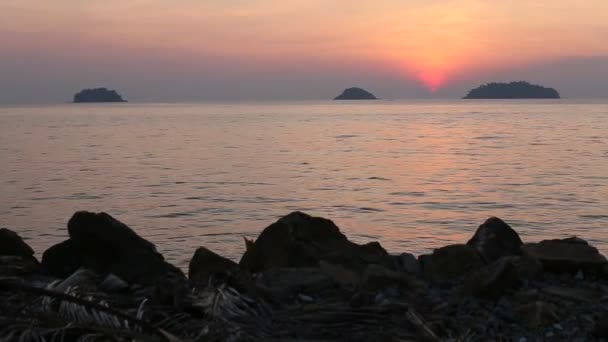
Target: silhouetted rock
point(103, 244)
point(355, 94)
point(512, 90)
point(450, 262)
point(97, 95)
point(495, 239)
point(287, 283)
point(566, 255)
point(62, 259)
point(12, 244)
point(377, 278)
point(300, 240)
point(206, 264)
point(16, 257)
point(492, 280)
point(408, 263)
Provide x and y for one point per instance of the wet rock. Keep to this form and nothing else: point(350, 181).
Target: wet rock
point(206, 264)
point(537, 314)
point(566, 255)
point(408, 263)
point(450, 262)
point(103, 244)
point(493, 280)
point(300, 240)
point(62, 259)
point(494, 239)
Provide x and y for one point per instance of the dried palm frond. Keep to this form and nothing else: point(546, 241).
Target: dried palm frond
point(52, 311)
point(237, 315)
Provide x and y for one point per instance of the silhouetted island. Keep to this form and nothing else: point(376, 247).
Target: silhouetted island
point(355, 94)
point(98, 95)
point(512, 90)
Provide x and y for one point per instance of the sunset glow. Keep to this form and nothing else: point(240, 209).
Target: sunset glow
point(429, 43)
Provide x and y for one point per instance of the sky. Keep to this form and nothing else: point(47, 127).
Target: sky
point(199, 50)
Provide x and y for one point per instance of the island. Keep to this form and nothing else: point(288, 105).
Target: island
point(97, 95)
point(512, 90)
point(355, 93)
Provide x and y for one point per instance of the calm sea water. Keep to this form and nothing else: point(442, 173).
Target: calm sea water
point(412, 175)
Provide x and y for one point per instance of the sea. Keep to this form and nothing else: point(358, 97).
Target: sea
point(411, 174)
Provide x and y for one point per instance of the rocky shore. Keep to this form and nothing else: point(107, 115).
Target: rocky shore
point(303, 280)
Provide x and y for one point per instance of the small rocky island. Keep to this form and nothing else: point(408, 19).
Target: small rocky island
point(302, 279)
point(97, 95)
point(355, 93)
point(512, 90)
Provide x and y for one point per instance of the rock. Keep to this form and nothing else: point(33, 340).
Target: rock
point(537, 314)
point(62, 259)
point(600, 328)
point(574, 294)
point(16, 257)
point(112, 283)
point(17, 266)
point(345, 278)
point(450, 262)
point(289, 282)
point(83, 279)
point(12, 244)
point(493, 280)
point(527, 267)
point(566, 255)
point(377, 278)
point(98, 95)
point(105, 245)
point(408, 263)
point(355, 93)
point(300, 240)
point(206, 264)
point(494, 239)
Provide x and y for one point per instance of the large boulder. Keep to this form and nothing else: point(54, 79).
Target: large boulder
point(450, 263)
point(494, 239)
point(300, 240)
point(205, 264)
point(16, 256)
point(101, 243)
point(12, 244)
point(566, 255)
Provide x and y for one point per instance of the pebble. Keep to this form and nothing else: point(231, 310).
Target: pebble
point(305, 298)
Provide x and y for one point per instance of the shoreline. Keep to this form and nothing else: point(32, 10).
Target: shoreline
point(303, 279)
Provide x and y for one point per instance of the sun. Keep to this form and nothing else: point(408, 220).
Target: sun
point(432, 79)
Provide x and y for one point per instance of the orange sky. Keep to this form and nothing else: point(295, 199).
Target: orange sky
point(433, 42)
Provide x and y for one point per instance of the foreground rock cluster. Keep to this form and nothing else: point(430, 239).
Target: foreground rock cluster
point(301, 279)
